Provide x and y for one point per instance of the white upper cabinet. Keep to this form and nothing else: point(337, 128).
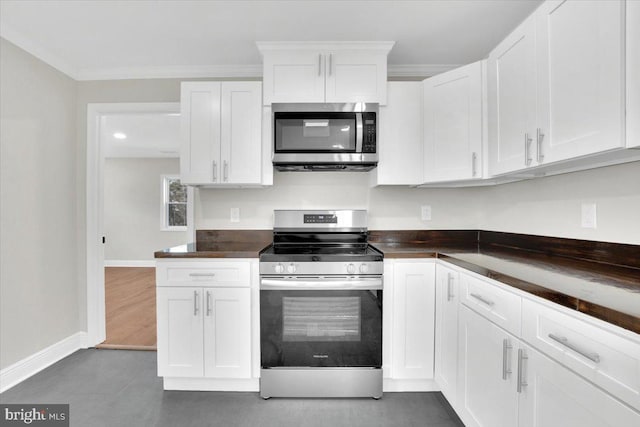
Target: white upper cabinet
point(221, 133)
point(633, 74)
point(556, 86)
point(400, 140)
point(325, 72)
point(579, 63)
point(453, 125)
point(511, 99)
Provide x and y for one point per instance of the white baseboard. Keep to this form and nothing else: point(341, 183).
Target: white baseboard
point(211, 384)
point(31, 365)
point(405, 385)
point(130, 263)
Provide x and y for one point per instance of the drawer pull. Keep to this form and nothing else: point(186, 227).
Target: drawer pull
point(202, 274)
point(483, 299)
point(595, 357)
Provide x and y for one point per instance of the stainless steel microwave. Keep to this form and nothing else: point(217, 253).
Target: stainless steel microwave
point(325, 137)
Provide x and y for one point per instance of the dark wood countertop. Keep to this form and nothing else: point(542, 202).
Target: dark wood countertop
point(599, 279)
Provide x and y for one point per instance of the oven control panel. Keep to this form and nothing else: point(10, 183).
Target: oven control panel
point(321, 268)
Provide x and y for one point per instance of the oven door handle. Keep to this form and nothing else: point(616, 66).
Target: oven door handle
point(364, 283)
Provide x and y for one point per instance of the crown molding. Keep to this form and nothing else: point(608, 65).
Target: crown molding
point(24, 43)
point(169, 72)
point(384, 46)
point(418, 70)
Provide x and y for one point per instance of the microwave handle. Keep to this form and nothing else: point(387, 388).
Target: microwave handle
point(359, 132)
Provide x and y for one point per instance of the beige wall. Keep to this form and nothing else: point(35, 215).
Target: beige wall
point(38, 224)
point(132, 200)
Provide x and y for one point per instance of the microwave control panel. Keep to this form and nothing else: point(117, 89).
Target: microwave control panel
point(369, 132)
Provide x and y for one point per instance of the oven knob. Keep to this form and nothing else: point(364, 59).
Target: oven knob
point(279, 268)
point(291, 268)
point(364, 268)
point(351, 269)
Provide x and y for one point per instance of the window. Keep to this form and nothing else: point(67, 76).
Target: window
point(174, 204)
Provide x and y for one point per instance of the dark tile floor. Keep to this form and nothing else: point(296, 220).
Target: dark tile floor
point(120, 388)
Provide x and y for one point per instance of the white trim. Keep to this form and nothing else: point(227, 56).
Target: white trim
point(45, 55)
point(418, 70)
point(31, 365)
point(408, 385)
point(130, 263)
point(96, 325)
point(165, 72)
point(211, 384)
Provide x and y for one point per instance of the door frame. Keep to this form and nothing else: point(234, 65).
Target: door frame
point(96, 315)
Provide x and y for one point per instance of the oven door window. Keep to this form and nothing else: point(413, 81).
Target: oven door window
point(315, 132)
point(321, 328)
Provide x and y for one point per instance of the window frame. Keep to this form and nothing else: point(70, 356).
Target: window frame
point(164, 205)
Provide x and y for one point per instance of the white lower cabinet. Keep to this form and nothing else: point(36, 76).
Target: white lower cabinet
point(408, 325)
point(204, 332)
point(206, 324)
point(446, 338)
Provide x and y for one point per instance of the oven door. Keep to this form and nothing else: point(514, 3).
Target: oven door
point(321, 322)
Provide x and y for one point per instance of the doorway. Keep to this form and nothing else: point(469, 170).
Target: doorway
point(131, 148)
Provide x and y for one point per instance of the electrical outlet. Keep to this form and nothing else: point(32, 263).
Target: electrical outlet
point(589, 215)
point(425, 212)
point(235, 214)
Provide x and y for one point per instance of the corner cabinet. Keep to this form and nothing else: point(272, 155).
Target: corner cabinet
point(446, 337)
point(221, 133)
point(408, 325)
point(205, 322)
point(325, 72)
point(453, 129)
point(556, 86)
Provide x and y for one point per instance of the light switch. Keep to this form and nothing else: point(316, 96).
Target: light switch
point(235, 214)
point(589, 215)
point(425, 212)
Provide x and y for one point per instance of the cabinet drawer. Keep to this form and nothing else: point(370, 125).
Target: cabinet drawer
point(499, 306)
point(601, 356)
point(206, 273)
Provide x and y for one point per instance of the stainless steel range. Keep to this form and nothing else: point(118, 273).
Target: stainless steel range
point(321, 307)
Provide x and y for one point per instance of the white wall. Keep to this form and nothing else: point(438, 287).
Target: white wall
point(38, 224)
point(132, 201)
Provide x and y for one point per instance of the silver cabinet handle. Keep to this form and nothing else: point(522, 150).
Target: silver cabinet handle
point(527, 145)
point(319, 64)
point(474, 156)
point(483, 299)
point(215, 171)
point(539, 138)
point(506, 366)
point(594, 357)
point(195, 303)
point(202, 274)
point(330, 63)
point(522, 356)
point(208, 303)
point(449, 280)
point(225, 171)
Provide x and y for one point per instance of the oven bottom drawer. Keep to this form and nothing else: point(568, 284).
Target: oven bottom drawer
point(323, 382)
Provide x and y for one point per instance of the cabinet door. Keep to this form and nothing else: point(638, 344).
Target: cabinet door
point(293, 76)
point(400, 141)
point(356, 77)
point(555, 396)
point(512, 94)
point(180, 345)
point(241, 147)
point(633, 71)
point(446, 347)
point(413, 329)
point(453, 124)
point(486, 377)
point(580, 77)
point(200, 133)
point(227, 332)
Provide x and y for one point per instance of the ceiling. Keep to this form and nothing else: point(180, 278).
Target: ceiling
point(146, 135)
point(115, 39)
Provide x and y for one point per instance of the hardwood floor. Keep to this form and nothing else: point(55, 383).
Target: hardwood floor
point(130, 294)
